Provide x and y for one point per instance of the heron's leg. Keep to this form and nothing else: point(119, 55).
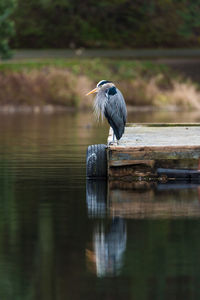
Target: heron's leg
point(113, 137)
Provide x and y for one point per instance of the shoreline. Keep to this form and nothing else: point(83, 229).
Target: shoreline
point(51, 109)
point(140, 53)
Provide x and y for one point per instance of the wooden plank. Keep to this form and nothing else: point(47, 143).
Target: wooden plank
point(159, 135)
point(146, 147)
point(118, 163)
point(123, 156)
point(162, 124)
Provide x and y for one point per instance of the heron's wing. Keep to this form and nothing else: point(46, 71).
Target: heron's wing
point(115, 111)
point(123, 109)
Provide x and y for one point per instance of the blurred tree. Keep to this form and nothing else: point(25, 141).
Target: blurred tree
point(6, 26)
point(190, 27)
point(107, 23)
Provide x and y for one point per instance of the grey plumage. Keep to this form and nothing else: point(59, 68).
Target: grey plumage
point(109, 102)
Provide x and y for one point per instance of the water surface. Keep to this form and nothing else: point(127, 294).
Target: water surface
point(64, 238)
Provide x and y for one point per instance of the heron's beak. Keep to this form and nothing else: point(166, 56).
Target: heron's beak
point(92, 91)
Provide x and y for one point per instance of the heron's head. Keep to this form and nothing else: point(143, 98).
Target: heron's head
point(101, 85)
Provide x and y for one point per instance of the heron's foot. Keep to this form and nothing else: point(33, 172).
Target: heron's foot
point(112, 143)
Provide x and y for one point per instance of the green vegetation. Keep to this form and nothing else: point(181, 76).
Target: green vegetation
point(6, 26)
point(93, 68)
point(106, 24)
point(65, 82)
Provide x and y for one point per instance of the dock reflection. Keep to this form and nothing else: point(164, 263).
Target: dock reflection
point(111, 204)
point(143, 199)
point(140, 200)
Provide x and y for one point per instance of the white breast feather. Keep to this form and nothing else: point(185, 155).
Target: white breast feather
point(100, 102)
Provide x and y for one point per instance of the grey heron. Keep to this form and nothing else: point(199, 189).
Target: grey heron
point(109, 102)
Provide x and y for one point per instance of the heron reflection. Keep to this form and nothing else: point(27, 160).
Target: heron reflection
point(106, 252)
point(109, 247)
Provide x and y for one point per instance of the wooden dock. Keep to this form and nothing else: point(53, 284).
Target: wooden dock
point(155, 151)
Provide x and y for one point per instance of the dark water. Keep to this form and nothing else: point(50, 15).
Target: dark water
point(61, 238)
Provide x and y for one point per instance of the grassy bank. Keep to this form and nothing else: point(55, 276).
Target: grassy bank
point(64, 82)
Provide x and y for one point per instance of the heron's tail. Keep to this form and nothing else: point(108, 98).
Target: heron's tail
point(118, 130)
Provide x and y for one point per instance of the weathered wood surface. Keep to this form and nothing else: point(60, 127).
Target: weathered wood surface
point(146, 147)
